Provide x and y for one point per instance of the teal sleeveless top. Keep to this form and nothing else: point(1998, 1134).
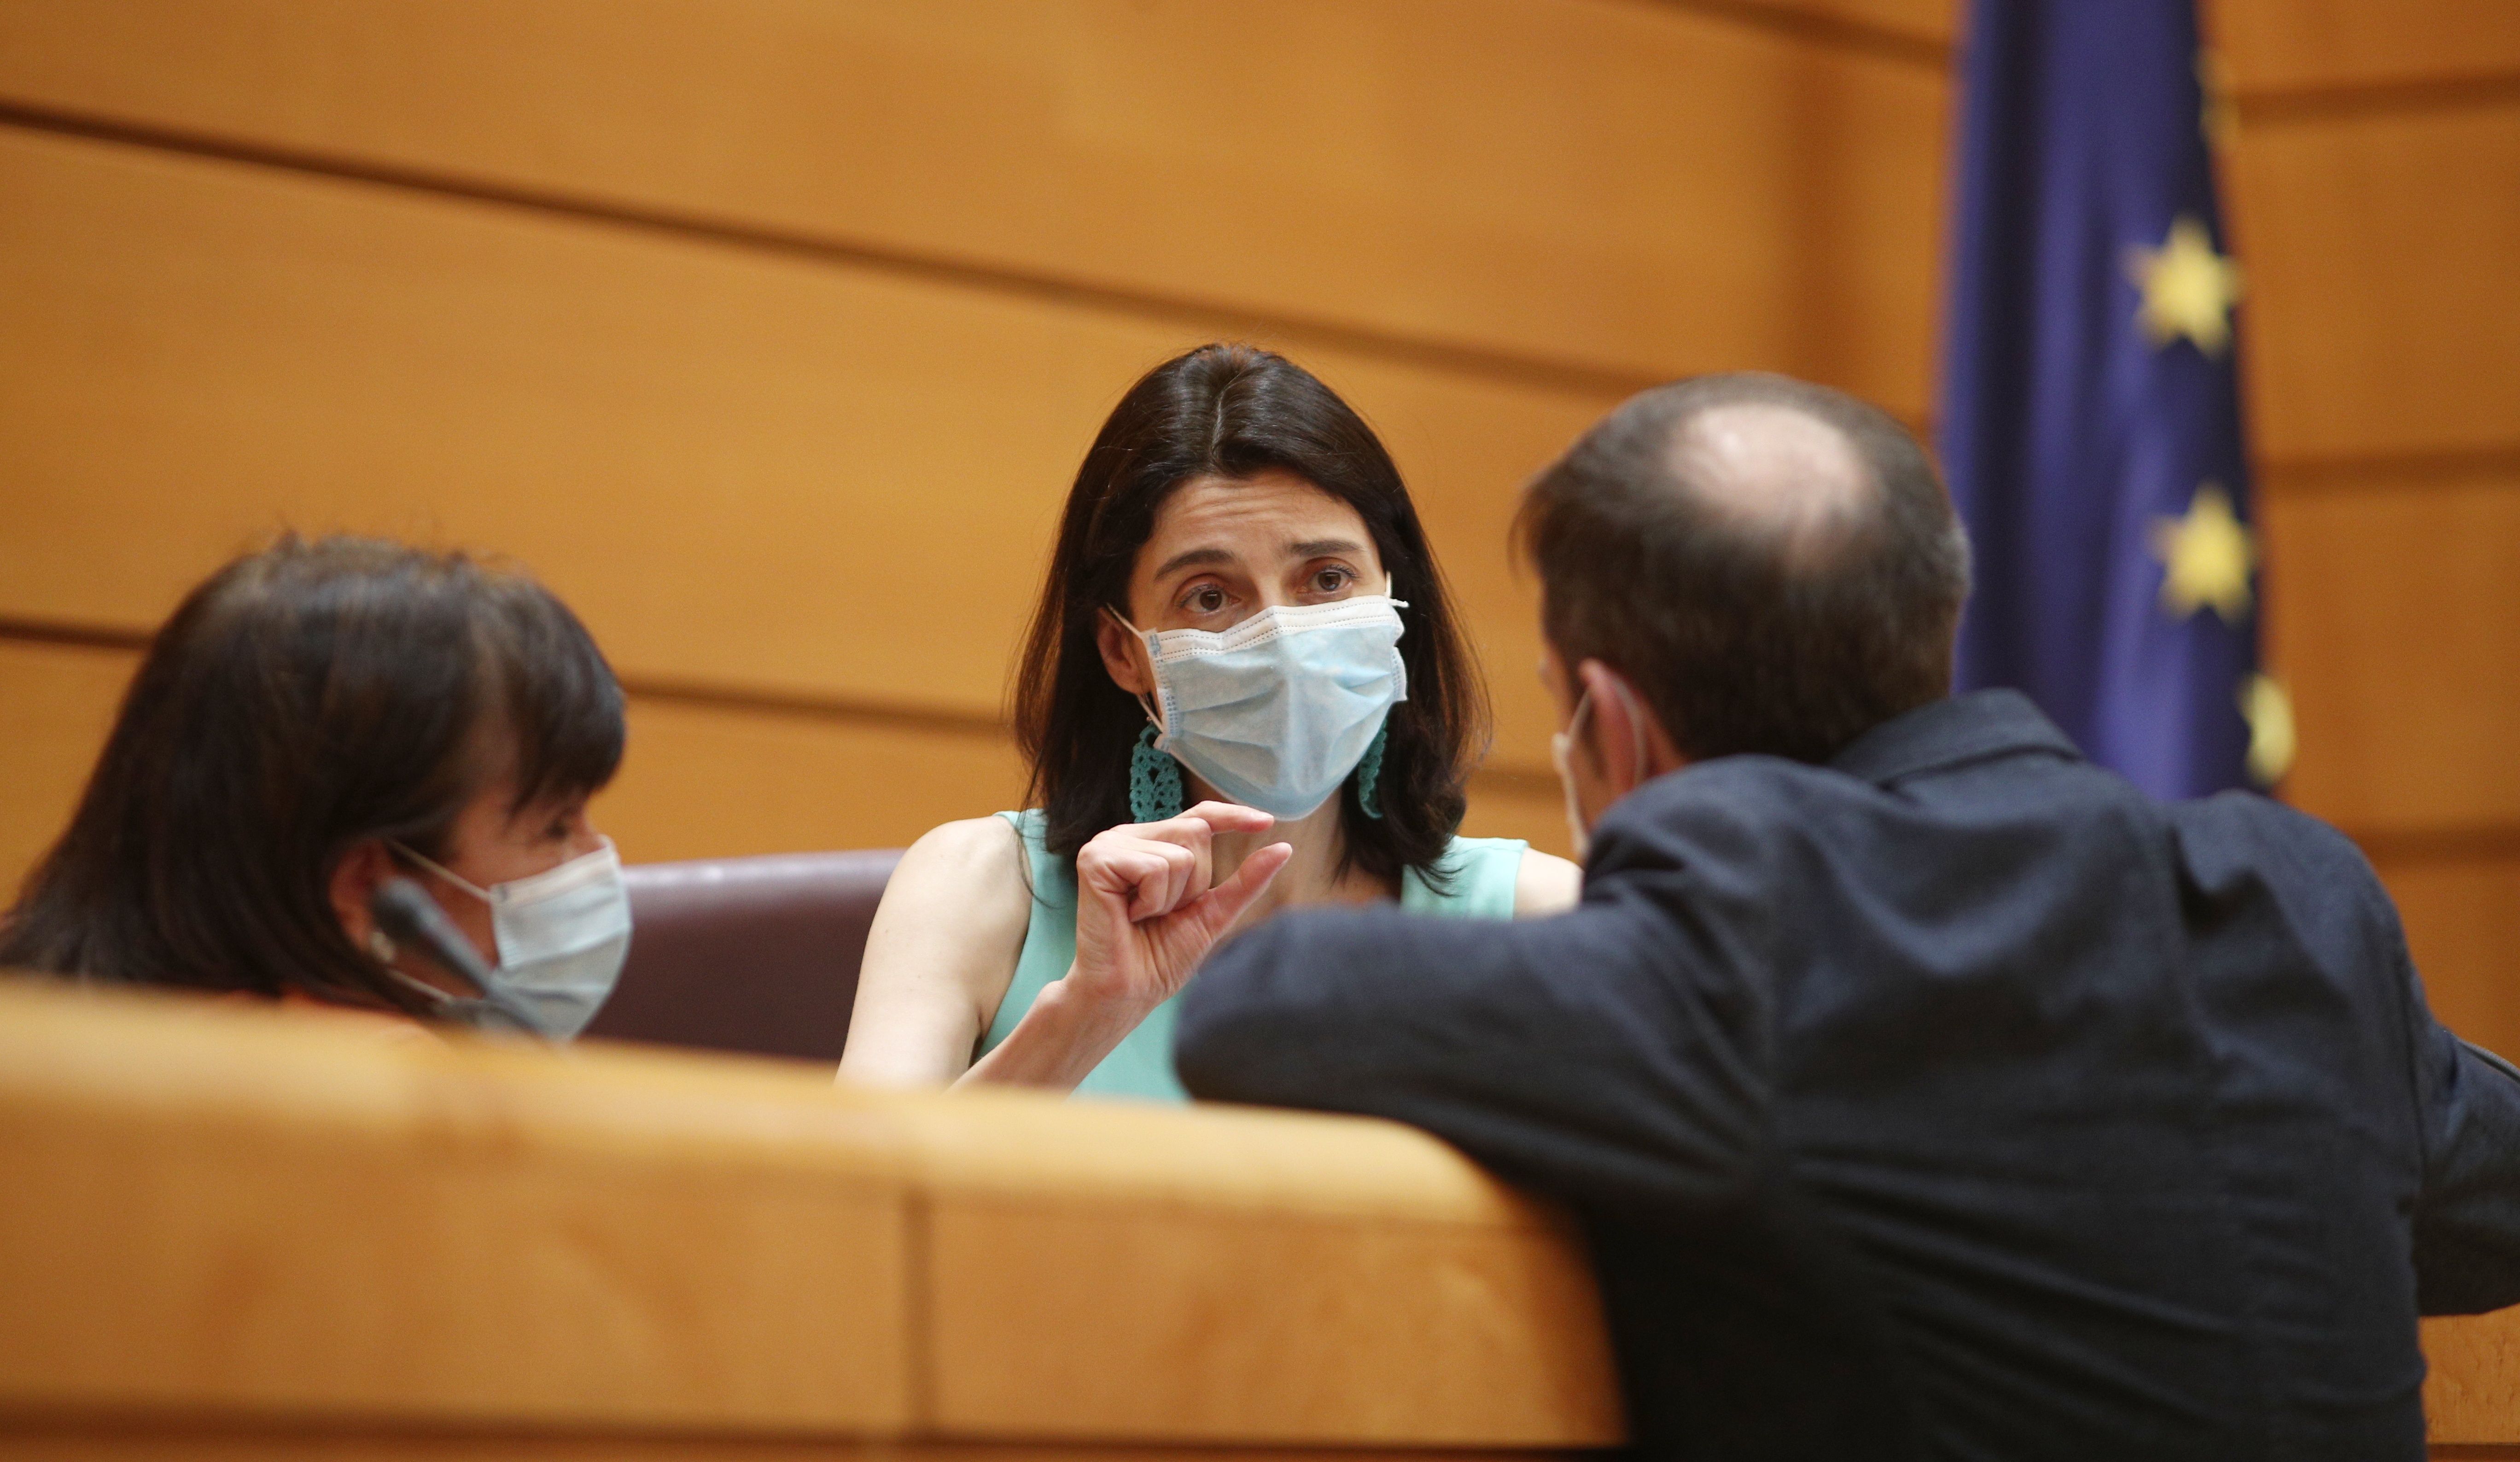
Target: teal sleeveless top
point(1482, 872)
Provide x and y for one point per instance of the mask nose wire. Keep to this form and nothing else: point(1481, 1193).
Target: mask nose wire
point(1390, 590)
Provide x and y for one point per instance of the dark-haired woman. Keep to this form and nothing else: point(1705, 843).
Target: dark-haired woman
point(1243, 692)
point(317, 719)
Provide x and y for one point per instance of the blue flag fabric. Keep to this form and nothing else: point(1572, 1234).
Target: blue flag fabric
point(2091, 422)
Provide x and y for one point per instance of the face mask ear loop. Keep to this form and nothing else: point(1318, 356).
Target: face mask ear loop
point(439, 1000)
point(1561, 754)
point(1574, 734)
point(1142, 637)
point(1636, 728)
point(458, 879)
point(444, 1006)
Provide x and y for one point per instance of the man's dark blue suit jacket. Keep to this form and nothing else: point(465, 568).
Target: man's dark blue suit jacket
point(1952, 1099)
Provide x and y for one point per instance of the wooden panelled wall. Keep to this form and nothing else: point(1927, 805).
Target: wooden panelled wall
point(769, 334)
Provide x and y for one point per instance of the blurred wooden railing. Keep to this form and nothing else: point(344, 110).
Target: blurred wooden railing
point(229, 1232)
point(233, 1232)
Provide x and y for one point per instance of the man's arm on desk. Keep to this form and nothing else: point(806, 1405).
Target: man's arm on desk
point(1555, 1051)
point(2467, 1220)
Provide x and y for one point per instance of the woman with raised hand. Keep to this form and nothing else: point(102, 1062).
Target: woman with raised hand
point(1243, 690)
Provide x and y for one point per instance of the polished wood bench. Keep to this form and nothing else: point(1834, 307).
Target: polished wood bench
point(232, 1232)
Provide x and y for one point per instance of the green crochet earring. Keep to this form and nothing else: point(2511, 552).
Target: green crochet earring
point(1369, 775)
point(1154, 781)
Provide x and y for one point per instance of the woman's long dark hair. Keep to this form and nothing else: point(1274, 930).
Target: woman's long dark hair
point(1234, 412)
point(305, 699)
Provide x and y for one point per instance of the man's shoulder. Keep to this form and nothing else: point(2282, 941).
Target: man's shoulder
point(1728, 800)
point(1763, 816)
point(2235, 843)
point(1748, 798)
point(1741, 786)
point(2232, 834)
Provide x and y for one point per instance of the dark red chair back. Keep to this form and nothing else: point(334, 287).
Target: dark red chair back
point(751, 954)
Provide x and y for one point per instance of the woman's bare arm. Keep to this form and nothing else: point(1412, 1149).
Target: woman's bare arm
point(941, 955)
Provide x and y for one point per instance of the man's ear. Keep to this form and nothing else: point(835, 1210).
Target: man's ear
point(356, 878)
point(1629, 743)
point(1123, 656)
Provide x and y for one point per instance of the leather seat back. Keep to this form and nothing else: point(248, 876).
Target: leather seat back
point(751, 954)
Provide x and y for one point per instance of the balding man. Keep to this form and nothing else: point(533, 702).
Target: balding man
point(1924, 1091)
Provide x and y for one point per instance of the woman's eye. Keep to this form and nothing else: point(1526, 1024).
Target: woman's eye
point(1331, 580)
point(1205, 600)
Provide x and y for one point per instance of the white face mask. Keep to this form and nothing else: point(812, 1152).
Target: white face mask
point(1560, 747)
point(1561, 754)
point(1277, 711)
point(563, 934)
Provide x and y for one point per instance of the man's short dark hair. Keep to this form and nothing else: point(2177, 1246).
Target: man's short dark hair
point(1786, 632)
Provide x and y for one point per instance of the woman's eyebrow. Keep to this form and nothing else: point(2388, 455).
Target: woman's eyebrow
point(1192, 557)
point(1322, 547)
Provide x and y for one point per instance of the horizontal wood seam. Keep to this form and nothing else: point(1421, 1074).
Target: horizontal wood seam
point(1217, 320)
point(812, 706)
point(2257, 104)
point(2475, 842)
point(659, 690)
point(1836, 32)
point(287, 1433)
point(2279, 472)
point(2418, 469)
point(279, 1427)
point(85, 635)
point(2355, 100)
point(663, 689)
point(2485, 841)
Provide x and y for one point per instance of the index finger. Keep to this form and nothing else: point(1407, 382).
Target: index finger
point(1232, 816)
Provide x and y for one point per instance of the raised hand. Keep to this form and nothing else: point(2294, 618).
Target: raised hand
point(1145, 913)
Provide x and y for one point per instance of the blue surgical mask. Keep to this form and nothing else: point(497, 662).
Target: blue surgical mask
point(1277, 711)
point(563, 936)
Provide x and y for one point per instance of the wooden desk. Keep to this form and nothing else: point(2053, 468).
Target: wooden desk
point(230, 1233)
point(235, 1232)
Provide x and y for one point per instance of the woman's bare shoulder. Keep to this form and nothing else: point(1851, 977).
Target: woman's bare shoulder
point(970, 872)
point(971, 847)
point(1545, 884)
point(964, 896)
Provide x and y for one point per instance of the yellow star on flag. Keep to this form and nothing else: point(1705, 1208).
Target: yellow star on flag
point(2206, 556)
point(2189, 289)
point(2269, 711)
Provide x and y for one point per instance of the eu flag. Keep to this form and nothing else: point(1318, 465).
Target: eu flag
point(2090, 424)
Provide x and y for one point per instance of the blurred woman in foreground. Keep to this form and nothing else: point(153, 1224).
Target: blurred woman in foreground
point(320, 718)
point(1244, 690)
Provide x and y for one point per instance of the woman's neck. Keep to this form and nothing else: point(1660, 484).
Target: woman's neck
point(1312, 875)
